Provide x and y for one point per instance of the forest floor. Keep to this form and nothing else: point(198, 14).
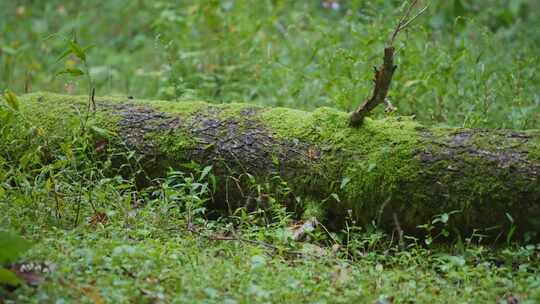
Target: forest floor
point(137, 256)
point(103, 240)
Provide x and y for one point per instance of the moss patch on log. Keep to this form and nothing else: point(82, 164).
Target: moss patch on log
point(364, 167)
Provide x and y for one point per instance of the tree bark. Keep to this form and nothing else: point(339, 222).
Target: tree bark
point(387, 171)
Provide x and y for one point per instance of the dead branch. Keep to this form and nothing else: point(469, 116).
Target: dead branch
point(383, 78)
point(383, 74)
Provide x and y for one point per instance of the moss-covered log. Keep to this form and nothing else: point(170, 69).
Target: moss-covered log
point(388, 168)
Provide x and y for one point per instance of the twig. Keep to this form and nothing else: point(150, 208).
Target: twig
point(27, 82)
point(271, 247)
point(93, 99)
point(399, 231)
point(244, 240)
point(383, 74)
point(383, 78)
point(404, 26)
point(381, 210)
point(327, 232)
point(406, 21)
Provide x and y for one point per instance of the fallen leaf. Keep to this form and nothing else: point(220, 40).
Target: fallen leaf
point(92, 294)
point(511, 299)
point(313, 250)
point(152, 280)
point(336, 248)
point(32, 273)
point(98, 217)
point(20, 11)
point(101, 145)
point(299, 232)
point(341, 275)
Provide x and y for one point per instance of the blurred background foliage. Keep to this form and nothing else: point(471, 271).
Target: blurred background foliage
point(465, 63)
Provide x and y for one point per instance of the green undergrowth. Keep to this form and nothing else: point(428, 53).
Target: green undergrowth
point(138, 255)
point(105, 239)
point(534, 154)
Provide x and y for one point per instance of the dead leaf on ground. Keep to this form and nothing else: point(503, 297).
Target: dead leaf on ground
point(101, 145)
point(511, 299)
point(312, 250)
point(336, 248)
point(156, 297)
point(299, 231)
point(98, 217)
point(152, 280)
point(32, 273)
point(341, 275)
point(92, 294)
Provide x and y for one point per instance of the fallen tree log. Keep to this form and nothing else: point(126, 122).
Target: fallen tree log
point(388, 169)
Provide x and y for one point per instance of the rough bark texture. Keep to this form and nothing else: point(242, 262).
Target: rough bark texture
point(387, 168)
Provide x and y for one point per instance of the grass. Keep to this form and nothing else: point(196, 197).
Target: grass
point(462, 64)
point(135, 257)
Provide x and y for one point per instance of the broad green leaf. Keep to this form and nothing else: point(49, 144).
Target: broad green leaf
point(344, 182)
point(64, 54)
point(77, 50)
point(205, 172)
point(87, 48)
point(2, 192)
point(275, 160)
point(8, 278)
point(12, 247)
point(509, 217)
point(8, 50)
point(71, 71)
point(445, 217)
point(101, 132)
point(442, 218)
point(213, 182)
point(11, 100)
point(510, 234)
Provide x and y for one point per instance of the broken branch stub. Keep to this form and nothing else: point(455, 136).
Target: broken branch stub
point(383, 79)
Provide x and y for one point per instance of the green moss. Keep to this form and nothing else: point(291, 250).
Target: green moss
point(365, 165)
point(181, 108)
point(188, 108)
point(534, 150)
point(56, 114)
point(313, 209)
point(235, 110)
point(287, 123)
point(174, 144)
point(376, 163)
